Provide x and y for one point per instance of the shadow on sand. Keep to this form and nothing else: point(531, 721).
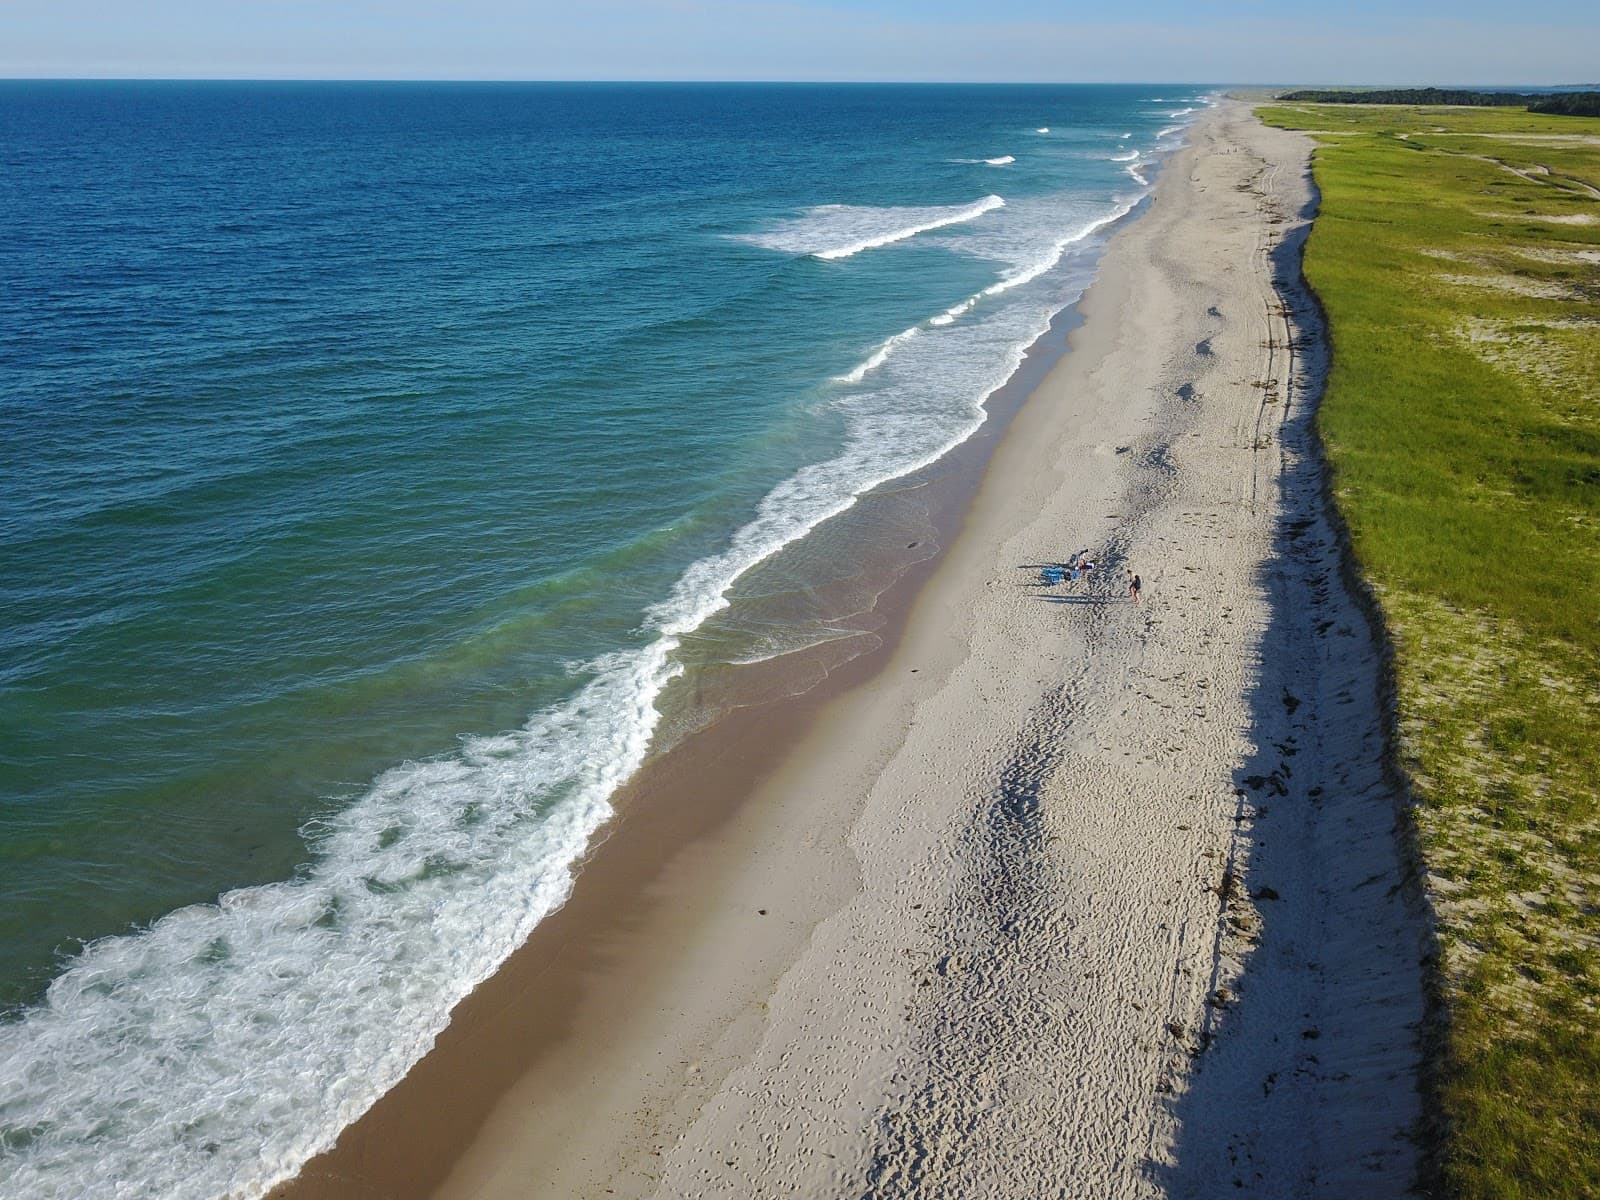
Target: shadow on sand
point(1088, 590)
point(1302, 1078)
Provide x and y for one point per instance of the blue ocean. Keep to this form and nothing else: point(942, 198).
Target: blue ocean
point(373, 459)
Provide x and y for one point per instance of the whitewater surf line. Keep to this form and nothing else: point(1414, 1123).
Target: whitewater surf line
point(834, 231)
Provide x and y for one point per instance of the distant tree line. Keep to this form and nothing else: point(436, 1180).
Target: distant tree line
point(1569, 104)
point(1566, 104)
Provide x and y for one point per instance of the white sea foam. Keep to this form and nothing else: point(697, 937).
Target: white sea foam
point(1126, 136)
point(1167, 130)
point(950, 314)
point(1128, 157)
point(1052, 256)
point(878, 357)
point(1137, 173)
point(213, 1053)
point(1001, 161)
point(840, 230)
point(1048, 255)
point(1042, 129)
point(1182, 112)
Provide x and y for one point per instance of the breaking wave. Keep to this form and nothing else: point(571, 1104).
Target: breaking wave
point(833, 231)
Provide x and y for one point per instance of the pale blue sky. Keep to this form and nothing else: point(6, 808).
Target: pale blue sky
point(1244, 41)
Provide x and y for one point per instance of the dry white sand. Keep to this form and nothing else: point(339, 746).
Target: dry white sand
point(1076, 897)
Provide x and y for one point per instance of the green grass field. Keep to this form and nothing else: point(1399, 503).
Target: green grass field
point(1457, 252)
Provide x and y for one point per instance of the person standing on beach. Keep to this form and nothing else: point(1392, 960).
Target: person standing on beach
point(1133, 587)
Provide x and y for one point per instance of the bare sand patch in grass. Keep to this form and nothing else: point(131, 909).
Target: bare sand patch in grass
point(1547, 218)
point(1565, 254)
point(1511, 283)
point(1539, 348)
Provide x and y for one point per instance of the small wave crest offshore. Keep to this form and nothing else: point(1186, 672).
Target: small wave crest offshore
point(878, 356)
point(832, 231)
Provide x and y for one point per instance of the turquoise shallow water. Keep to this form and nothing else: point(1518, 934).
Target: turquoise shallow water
point(369, 453)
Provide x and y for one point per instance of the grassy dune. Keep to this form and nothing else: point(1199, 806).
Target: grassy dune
point(1457, 252)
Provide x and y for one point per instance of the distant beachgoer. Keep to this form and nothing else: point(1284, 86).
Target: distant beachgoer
point(1133, 587)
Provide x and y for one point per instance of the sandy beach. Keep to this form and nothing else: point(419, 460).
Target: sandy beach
point(1056, 894)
